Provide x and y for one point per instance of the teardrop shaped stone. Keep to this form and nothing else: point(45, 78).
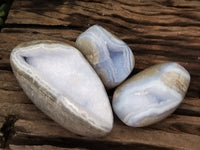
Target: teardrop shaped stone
point(62, 84)
point(151, 95)
point(110, 57)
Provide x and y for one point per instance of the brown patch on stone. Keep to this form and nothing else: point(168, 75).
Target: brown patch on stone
point(176, 81)
point(88, 49)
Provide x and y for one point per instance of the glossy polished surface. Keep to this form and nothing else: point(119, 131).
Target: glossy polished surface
point(111, 58)
point(151, 95)
point(61, 83)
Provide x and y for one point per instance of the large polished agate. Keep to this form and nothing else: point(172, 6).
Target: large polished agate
point(111, 58)
point(151, 95)
point(62, 84)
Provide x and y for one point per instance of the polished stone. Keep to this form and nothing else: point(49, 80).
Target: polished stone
point(151, 95)
point(111, 58)
point(62, 84)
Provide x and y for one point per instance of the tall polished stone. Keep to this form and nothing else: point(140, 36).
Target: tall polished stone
point(111, 58)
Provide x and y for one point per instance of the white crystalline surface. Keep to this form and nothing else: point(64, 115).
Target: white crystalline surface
point(68, 72)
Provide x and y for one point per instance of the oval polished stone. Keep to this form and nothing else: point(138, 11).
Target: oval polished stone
point(151, 95)
point(62, 84)
point(111, 58)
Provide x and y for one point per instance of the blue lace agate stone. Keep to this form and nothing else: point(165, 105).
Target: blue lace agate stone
point(151, 95)
point(62, 84)
point(111, 58)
